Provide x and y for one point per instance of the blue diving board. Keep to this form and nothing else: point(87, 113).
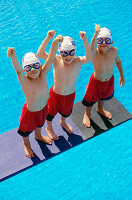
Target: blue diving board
point(13, 159)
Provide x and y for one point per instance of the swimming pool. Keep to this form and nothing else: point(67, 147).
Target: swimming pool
point(101, 167)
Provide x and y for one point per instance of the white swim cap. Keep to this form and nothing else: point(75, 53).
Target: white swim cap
point(104, 32)
point(67, 44)
point(30, 58)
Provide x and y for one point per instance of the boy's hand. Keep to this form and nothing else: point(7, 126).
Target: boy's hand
point(51, 34)
point(97, 28)
point(58, 39)
point(10, 52)
point(122, 81)
point(82, 35)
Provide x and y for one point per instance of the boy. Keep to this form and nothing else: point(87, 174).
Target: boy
point(101, 84)
point(66, 68)
point(35, 88)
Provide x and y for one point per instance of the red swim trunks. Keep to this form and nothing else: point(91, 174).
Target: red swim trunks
point(29, 121)
point(98, 90)
point(59, 103)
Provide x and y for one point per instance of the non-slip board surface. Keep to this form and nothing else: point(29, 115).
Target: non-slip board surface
point(13, 159)
point(100, 124)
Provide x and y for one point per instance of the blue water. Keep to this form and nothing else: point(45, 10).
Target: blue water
point(101, 167)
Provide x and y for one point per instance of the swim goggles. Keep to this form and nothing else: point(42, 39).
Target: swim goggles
point(28, 68)
point(65, 54)
point(101, 40)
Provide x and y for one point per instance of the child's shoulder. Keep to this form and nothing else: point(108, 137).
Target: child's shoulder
point(77, 59)
point(113, 48)
point(57, 57)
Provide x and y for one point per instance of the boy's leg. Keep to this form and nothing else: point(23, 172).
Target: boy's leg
point(66, 126)
point(101, 110)
point(27, 148)
point(86, 118)
point(39, 136)
point(52, 111)
point(50, 131)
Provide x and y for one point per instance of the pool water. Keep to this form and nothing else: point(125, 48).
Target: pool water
point(101, 167)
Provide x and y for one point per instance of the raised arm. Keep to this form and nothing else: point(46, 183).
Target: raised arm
point(94, 39)
point(41, 51)
point(85, 59)
point(11, 53)
point(52, 53)
point(120, 69)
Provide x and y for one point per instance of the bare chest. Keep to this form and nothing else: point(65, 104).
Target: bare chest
point(35, 89)
point(104, 62)
point(66, 73)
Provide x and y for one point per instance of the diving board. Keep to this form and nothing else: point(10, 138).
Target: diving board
point(13, 159)
point(100, 124)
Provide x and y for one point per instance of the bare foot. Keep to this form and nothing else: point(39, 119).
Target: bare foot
point(66, 126)
point(28, 151)
point(86, 121)
point(52, 134)
point(44, 139)
point(105, 113)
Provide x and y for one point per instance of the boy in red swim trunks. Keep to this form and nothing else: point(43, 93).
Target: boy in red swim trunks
point(66, 68)
point(101, 83)
point(35, 88)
